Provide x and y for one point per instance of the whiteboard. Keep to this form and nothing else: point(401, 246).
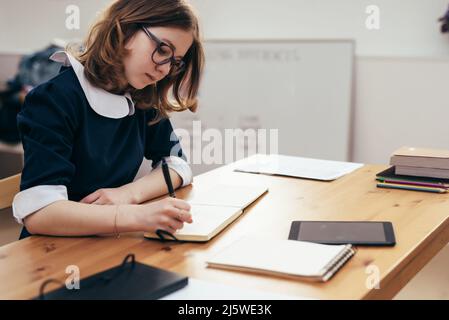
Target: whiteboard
point(302, 88)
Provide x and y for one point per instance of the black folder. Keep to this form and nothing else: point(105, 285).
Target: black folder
point(129, 281)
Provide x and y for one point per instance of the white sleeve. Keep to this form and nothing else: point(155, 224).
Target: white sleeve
point(181, 167)
point(33, 199)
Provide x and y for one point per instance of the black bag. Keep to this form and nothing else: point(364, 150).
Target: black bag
point(34, 70)
point(129, 281)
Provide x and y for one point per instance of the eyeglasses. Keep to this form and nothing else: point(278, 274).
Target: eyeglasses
point(165, 53)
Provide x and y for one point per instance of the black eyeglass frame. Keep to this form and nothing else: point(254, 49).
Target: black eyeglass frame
point(177, 65)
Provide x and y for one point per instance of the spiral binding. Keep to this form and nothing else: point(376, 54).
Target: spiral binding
point(335, 264)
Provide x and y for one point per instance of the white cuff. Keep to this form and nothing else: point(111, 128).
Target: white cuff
point(33, 199)
point(181, 167)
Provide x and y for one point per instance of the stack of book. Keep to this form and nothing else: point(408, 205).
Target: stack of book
point(417, 169)
point(421, 162)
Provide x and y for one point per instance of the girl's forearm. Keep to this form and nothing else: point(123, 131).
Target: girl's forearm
point(69, 218)
point(152, 185)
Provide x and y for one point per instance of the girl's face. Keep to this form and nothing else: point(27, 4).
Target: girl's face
point(140, 69)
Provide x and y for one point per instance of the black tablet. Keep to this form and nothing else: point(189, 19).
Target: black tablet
point(365, 233)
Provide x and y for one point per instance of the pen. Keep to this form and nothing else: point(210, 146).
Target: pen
point(167, 178)
point(171, 192)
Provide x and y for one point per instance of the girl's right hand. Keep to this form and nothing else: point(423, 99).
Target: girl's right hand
point(168, 214)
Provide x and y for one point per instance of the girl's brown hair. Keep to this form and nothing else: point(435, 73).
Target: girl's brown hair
point(105, 50)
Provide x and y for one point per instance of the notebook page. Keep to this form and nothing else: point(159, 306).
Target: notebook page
point(226, 195)
point(207, 219)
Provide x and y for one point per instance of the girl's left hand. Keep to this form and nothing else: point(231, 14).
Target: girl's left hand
point(110, 196)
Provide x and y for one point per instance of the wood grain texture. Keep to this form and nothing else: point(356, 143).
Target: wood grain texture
point(420, 220)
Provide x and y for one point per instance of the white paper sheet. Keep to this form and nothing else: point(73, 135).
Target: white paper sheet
point(298, 167)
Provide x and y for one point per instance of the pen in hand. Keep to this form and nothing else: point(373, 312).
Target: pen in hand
point(171, 192)
point(167, 178)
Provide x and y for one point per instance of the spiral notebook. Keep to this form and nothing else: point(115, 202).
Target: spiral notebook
point(285, 258)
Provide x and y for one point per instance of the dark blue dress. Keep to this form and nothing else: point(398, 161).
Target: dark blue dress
point(67, 143)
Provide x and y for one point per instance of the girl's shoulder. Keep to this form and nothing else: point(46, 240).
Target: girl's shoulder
point(65, 84)
point(61, 95)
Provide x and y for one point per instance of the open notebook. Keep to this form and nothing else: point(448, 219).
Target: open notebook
point(287, 258)
point(213, 209)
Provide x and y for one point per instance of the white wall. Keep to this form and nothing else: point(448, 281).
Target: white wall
point(27, 25)
point(401, 69)
point(407, 27)
point(400, 101)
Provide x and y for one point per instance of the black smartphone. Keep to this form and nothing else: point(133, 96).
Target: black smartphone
point(362, 233)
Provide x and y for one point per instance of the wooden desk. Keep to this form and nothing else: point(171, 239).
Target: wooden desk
point(421, 222)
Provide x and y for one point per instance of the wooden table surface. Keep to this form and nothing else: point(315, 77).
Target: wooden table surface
point(420, 221)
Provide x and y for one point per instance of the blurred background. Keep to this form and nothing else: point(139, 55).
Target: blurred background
point(345, 80)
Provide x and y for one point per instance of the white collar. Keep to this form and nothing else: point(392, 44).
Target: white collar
point(102, 102)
